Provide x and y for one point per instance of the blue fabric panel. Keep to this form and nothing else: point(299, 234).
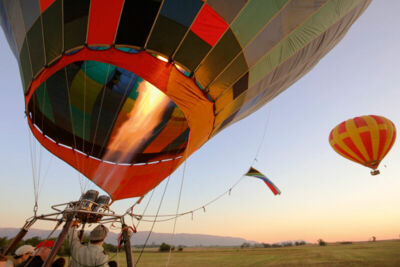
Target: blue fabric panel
point(4, 23)
point(180, 11)
point(30, 12)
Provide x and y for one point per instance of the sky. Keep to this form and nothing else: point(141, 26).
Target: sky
point(323, 195)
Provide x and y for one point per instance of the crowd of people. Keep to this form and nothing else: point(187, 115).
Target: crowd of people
point(91, 254)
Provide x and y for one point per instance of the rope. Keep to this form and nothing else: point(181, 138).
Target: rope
point(263, 136)
point(177, 210)
point(152, 226)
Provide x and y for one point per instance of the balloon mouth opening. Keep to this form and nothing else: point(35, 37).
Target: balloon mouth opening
point(108, 113)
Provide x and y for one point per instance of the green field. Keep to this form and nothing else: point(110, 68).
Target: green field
point(382, 253)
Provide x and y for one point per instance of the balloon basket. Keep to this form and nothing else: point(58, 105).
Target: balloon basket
point(86, 210)
point(375, 172)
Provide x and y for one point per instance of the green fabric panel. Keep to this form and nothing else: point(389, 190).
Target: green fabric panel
point(52, 27)
point(316, 25)
point(44, 102)
point(293, 15)
point(75, 23)
point(222, 54)
point(192, 51)
point(25, 65)
point(98, 71)
point(254, 17)
point(166, 36)
point(35, 41)
point(228, 76)
point(81, 123)
point(84, 92)
point(227, 9)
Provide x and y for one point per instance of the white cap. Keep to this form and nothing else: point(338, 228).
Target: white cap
point(24, 249)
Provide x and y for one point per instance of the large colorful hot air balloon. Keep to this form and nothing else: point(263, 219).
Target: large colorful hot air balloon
point(365, 140)
point(124, 91)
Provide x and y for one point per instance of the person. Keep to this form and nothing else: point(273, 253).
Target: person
point(21, 254)
point(3, 261)
point(41, 253)
point(91, 254)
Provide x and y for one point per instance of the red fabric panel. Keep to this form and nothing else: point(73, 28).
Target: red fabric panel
point(366, 139)
point(342, 127)
point(103, 21)
point(382, 142)
point(338, 148)
point(44, 4)
point(360, 122)
point(209, 26)
point(349, 143)
point(378, 119)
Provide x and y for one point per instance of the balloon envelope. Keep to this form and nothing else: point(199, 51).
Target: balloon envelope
point(125, 91)
point(365, 139)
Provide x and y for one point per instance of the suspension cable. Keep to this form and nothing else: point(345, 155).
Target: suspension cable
point(154, 222)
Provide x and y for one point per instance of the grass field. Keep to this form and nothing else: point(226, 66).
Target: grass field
point(382, 253)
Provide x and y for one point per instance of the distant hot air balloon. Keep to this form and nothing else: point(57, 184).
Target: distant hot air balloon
point(365, 140)
point(124, 91)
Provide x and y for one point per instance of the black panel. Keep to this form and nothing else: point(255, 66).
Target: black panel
point(30, 12)
point(222, 54)
point(25, 65)
point(166, 36)
point(76, 15)
point(35, 41)
point(52, 27)
point(180, 11)
point(58, 94)
point(136, 21)
point(240, 86)
point(105, 119)
point(192, 51)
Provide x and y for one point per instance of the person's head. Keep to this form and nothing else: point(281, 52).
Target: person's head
point(44, 248)
point(23, 253)
point(98, 234)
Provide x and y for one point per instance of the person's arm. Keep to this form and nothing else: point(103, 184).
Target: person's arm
point(74, 241)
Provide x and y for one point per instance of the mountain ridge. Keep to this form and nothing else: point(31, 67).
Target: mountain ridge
point(139, 238)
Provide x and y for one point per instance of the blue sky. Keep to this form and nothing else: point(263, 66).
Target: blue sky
point(323, 195)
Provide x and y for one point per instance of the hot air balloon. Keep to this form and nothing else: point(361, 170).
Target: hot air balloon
point(125, 91)
point(365, 140)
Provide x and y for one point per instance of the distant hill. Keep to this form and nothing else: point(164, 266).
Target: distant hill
point(155, 238)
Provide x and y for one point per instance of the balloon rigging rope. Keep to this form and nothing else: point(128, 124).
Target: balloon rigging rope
point(154, 221)
point(177, 210)
point(174, 216)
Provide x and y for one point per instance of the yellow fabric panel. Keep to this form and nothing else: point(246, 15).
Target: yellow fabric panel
point(374, 131)
point(82, 87)
point(128, 105)
point(228, 77)
point(224, 100)
point(338, 140)
point(354, 134)
point(229, 109)
point(391, 131)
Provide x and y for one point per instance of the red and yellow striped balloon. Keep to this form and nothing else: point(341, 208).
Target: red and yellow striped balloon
point(365, 140)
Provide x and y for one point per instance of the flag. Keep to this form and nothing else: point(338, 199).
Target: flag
point(254, 173)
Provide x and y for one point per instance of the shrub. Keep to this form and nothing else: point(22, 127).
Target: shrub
point(165, 247)
point(321, 242)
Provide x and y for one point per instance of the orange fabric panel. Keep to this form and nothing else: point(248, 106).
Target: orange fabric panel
point(197, 108)
point(172, 130)
point(44, 4)
point(124, 181)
